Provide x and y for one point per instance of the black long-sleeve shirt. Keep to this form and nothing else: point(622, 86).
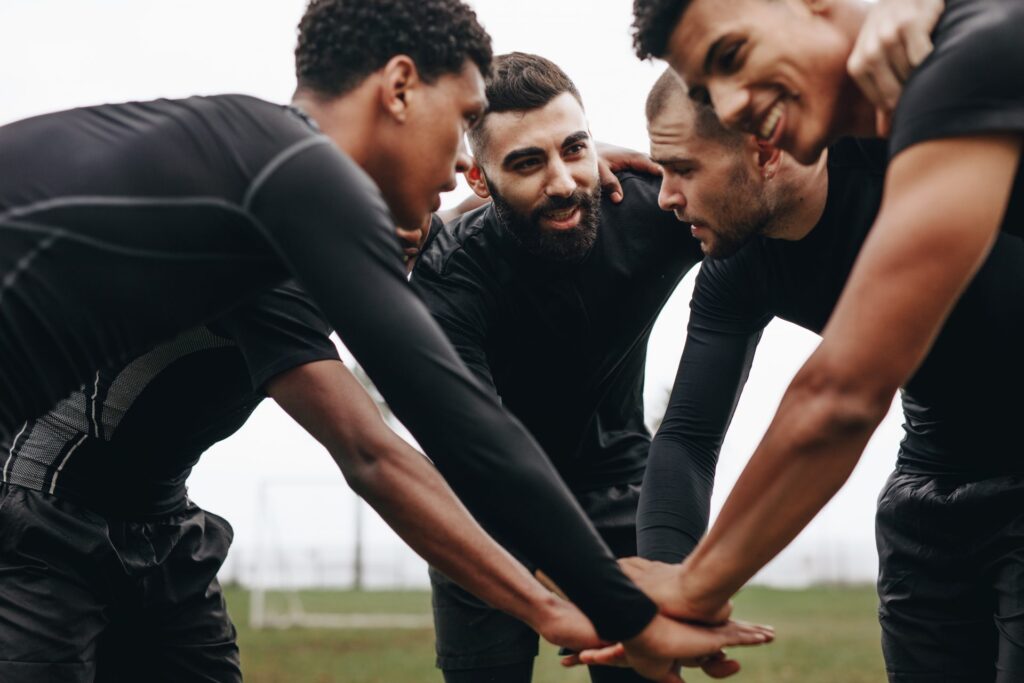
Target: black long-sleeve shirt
point(564, 345)
point(123, 225)
point(961, 407)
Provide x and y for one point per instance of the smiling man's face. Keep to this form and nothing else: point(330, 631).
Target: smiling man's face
point(774, 68)
point(541, 170)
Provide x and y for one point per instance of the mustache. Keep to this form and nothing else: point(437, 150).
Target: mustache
point(577, 198)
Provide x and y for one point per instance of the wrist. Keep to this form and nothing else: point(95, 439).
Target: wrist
point(700, 591)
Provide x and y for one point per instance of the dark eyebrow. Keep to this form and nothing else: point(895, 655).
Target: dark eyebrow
point(673, 161)
point(575, 137)
point(712, 53)
point(517, 154)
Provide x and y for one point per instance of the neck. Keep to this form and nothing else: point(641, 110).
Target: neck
point(803, 192)
point(347, 120)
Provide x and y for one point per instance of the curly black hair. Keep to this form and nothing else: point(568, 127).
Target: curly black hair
point(341, 42)
point(653, 23)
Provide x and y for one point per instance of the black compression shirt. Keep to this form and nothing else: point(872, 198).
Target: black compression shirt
point(126, 442)
point(972, 84)
point(564, 346)
point(124, 225)
point(961, 408)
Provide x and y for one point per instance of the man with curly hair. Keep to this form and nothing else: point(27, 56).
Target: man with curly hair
point(122, 226)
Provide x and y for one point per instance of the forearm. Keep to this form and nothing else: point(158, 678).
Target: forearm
point(412, 497)
point(808, 452)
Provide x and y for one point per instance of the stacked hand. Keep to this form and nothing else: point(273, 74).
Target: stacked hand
point(666, 645)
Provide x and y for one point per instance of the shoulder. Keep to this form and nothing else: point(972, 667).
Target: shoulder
point(973, 82)
point(728, 294)
point(458, 244)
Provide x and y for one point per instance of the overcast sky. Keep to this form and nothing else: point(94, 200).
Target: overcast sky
point(56, 54)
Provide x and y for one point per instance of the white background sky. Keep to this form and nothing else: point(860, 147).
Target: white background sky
point(56, 54)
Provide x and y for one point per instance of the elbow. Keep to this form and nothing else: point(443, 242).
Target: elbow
point(839, 404)
point(363, 463)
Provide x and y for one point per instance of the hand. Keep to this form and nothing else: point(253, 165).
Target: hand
point(665, 645)
point(413, 241)
point(895, 38)
point(666, 585)
point(611, 159)
point(563, 624)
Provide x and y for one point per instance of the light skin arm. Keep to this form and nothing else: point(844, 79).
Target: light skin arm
point(413, 498)
point(944, 203)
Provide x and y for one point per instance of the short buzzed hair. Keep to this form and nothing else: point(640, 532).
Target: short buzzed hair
point(521, 82)
point(670, 91)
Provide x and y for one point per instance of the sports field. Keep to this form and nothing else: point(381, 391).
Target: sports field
point(824, 634)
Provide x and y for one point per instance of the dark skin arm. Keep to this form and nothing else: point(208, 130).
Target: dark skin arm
point(413, 498)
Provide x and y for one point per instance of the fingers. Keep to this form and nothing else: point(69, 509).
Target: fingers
point(919, 45)
point(883, 122)
point(721, 668)
point(609, 182)
point(613, 655)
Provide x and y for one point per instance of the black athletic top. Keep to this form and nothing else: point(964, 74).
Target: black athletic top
point(973, 83)
point(564, 345)
point(962, 408)
point(126, 442)
point(124, 225)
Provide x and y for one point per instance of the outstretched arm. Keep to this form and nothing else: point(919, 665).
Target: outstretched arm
point(720, 340)
point(406, 490)
point(944, 204)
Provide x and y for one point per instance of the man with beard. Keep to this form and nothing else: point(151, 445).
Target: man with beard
point(778, 70)
point(783, 239)
point(549, 295)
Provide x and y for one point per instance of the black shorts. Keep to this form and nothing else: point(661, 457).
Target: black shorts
point(84, 597)
point(951, 578)
point(472, 635)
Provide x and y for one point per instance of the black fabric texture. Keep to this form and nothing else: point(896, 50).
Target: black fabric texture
point(126, 443)
point(971, 84)
point(563, 345)
point(86, 597)
point(951, 554)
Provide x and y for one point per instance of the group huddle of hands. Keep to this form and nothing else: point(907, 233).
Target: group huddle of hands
point(693, 628)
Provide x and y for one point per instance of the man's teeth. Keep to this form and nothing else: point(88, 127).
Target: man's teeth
point(561, 215)
point(770, 121)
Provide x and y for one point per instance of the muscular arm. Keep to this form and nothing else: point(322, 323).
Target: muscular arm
point(337, 237)
point(944, 203)
point(410, 495)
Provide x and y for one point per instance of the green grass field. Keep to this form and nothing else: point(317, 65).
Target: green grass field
point(824, 634)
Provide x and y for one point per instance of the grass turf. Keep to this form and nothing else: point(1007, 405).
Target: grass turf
point(824, 634)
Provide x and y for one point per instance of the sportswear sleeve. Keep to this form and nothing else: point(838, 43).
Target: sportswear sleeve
point(675, 498)
point(328, 221)
point(972, 83)
point(279, 330)
point(463, 316)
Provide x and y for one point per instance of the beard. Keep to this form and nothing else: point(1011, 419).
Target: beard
point(740, 215)
point(561, 246)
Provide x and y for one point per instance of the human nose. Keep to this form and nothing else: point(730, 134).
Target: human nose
point(670, 196)
point(560, 181)
point(731, 102)
point(463, 162)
